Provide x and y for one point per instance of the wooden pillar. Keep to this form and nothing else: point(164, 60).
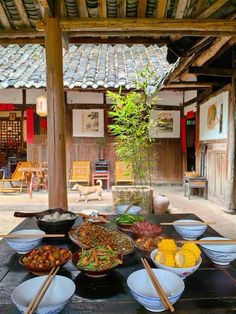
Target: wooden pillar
point(57, 190)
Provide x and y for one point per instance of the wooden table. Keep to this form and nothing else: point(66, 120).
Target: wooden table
point(210, 290)
point(195, 183)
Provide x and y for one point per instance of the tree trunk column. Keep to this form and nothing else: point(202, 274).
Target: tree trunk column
point(57, 191)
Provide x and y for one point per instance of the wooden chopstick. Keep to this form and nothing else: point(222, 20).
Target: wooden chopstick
point(209, 241)
point(41, 291)
point(28, 235)
point(188, 223)
point(157, 286)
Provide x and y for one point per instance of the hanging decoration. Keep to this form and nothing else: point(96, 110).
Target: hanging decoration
point(41, 106)
point(183, 135)
point(29, 125)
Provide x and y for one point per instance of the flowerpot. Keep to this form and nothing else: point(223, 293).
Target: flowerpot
point(160, 204)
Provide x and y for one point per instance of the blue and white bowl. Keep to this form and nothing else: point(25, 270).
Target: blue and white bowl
point(120, 209)
point(180, 271)
point(55, 299)
point(143, 291)
point(24, 245)
point(220, 254)
point(189, 232)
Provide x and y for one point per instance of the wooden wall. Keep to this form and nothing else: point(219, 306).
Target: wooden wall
point(167, 156)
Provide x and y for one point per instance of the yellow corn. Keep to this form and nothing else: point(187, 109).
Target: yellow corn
point(167, 244)
point(193, 248)
point(165, 257)
point(185, 258)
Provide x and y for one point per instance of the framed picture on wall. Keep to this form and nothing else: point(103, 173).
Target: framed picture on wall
point(88, 122)
point(214, 118)
point(167, 124)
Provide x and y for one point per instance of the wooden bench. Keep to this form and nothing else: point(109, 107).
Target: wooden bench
point(195, 183)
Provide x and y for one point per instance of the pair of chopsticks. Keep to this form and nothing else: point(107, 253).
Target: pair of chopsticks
point(28, 235)
point(41, 291)
point(209, 241)
point(157, 286)
point(188, 223)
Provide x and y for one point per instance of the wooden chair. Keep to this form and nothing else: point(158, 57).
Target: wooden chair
point(18, 176)
point(123, 173)
point(80, 173)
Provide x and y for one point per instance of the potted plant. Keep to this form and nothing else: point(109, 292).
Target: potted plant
point(101, 147)
point(131, 124)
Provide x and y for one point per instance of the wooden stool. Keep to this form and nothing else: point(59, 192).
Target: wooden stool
point(195, 183)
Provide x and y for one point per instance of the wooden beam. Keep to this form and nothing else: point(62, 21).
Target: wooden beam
point(3, 18)
point(25, 33)
point(149, 26)
point(212, 9)
point(211, 71)
point(142, 6)
point(21, 41)
point(57, 190)
point(180, 9)
point(211, 51)
point(82, 8)
point(192, 85)
point(121, 9)
point(46, 6)
point(22, 12)
point(201, 5)
point(102, 8)
point(161, 9)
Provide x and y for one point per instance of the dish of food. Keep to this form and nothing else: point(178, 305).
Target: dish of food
point(96, 262)
point(56, 216)
point(125, 221)
point(89, 235)
point(146, 229)
point(147, 244)
point(41, 261)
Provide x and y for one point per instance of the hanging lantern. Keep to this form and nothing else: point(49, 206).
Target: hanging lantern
point(41, 106)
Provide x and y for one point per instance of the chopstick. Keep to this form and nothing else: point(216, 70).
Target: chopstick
point(42, 290)
point(188, 223)
point(28, 235)
point(157, 286)
point(209, 241)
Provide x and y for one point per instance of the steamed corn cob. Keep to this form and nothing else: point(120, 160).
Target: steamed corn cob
point(193, 248)
point(185, 258)
point(165, 257)
point(167, 244)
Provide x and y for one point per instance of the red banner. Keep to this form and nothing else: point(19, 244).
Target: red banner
point(43, 123)
point(196, 139)
point(183, 135)
point(29, 125)
point(6, 107)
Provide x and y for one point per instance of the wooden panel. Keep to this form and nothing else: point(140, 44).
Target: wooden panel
point(217, 176)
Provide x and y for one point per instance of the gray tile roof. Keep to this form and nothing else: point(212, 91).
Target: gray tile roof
point(85, 66)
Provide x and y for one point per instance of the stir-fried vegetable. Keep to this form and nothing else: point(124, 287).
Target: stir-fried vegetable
point(98, 258)
point(128, 218)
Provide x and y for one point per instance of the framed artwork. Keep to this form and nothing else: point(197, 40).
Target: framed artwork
point(12, 116)
point(88, 122)
point(214, 117)
point(167, 124)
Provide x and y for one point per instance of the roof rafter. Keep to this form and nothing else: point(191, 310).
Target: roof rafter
point(212, 9)
point(22, 12)
point(142, 6)
point(161, 9)
point(152, 27)
point(122, 9)
point(3, 18)
point(82, 8)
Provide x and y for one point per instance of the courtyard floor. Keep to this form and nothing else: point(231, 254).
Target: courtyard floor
point(206, 210)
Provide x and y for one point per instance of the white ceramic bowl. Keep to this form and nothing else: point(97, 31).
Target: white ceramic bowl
point(181, 272)
point(190, 232)
point(120, 209)
point(24, 245)
point(55, 299)
point(221, 254)
point(143, 291)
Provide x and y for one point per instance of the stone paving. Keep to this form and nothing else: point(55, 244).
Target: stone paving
point(206, 210)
